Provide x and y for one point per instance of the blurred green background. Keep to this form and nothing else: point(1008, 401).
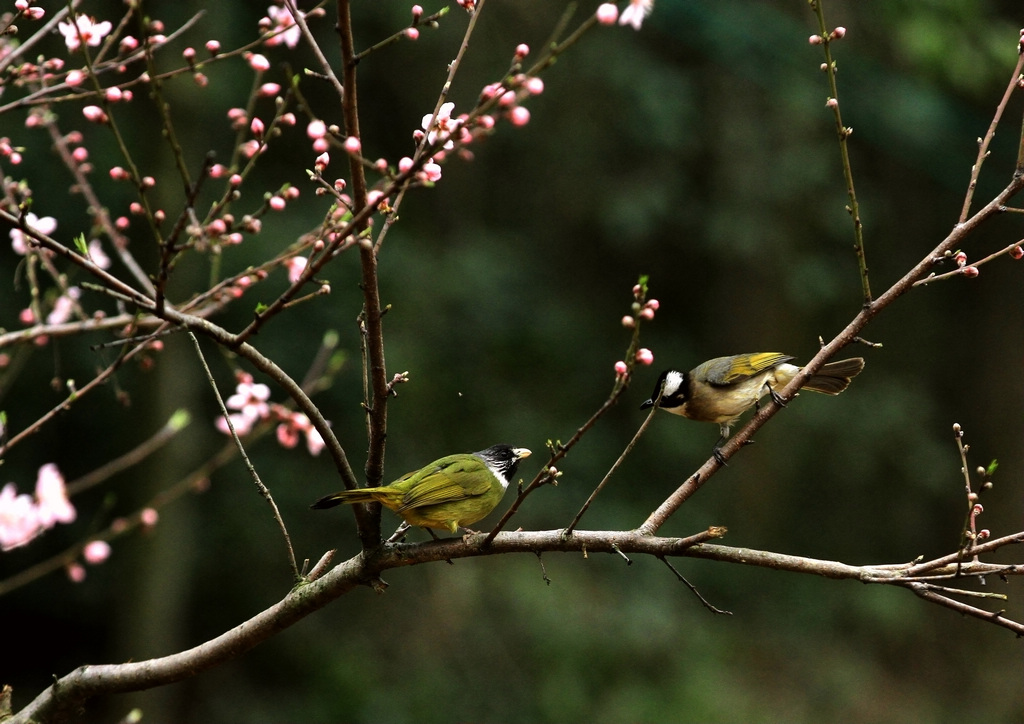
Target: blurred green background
point(698, 151)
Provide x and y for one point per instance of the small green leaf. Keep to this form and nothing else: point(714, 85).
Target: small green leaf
point(991, 469)
point(82, 245)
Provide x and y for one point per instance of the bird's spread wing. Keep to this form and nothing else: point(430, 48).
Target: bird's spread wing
point(447, 482)
point(726, 370)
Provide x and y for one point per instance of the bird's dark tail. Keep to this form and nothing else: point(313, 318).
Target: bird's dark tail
point(359, 495)
point(834, 377)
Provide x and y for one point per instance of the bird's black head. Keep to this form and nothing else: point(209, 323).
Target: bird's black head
point(503, 459)
point(674, 387)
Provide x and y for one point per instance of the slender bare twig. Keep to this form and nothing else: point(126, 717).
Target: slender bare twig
point(843, 134)
point(263, 490)
point(622, 456)
point(984, 143)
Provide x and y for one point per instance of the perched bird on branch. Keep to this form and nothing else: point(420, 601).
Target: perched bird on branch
point(455, 491)
point(723, 388)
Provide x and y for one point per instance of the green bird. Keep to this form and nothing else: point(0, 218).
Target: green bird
point(455, 491)
point(723, 388)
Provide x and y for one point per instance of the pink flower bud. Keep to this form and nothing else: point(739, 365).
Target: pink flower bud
point(213, 46)
point(628, 322)
point(94, 114)
point(404, 164)
point(258, 62)
point(607, 13)
point(647, 313)
point(653, 304)
point(522, 50)
point(417, 11)
point(352, 145)
point(257, 128)
point(620, 368)
point(96, 551)
point(645, 356)
point(815, 40)
point(1017, 252)
point(832, 103)
point(970, 271)
point(960, 258)
point(839, 32)
point(321, 162)
point(412, 33)
point(520, 116)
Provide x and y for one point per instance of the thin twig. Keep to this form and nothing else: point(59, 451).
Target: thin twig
point(693, 589)
point(611, 471)
point(263, 490)
point(843, 133)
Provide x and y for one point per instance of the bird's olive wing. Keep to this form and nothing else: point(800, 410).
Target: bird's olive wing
point(727, 370)
point(448, 481)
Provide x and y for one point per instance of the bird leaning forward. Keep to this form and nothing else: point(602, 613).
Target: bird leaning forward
point(452, 492)
point(723, 388)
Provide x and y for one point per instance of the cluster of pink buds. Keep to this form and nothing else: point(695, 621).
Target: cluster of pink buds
point(633, 15)
point(25, 7)
point(643, 309)
point(94, 552)
point(509, 99)
point(961, 261)
point(836, 34)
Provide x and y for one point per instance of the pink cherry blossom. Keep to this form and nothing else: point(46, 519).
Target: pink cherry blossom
point(432, 171)
point(19, 522)
point(64, 307)
point(84, 28)
point(442, 126)
point(46, 225)
point(282, 23)
point(635, 13)
point(296, 265)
